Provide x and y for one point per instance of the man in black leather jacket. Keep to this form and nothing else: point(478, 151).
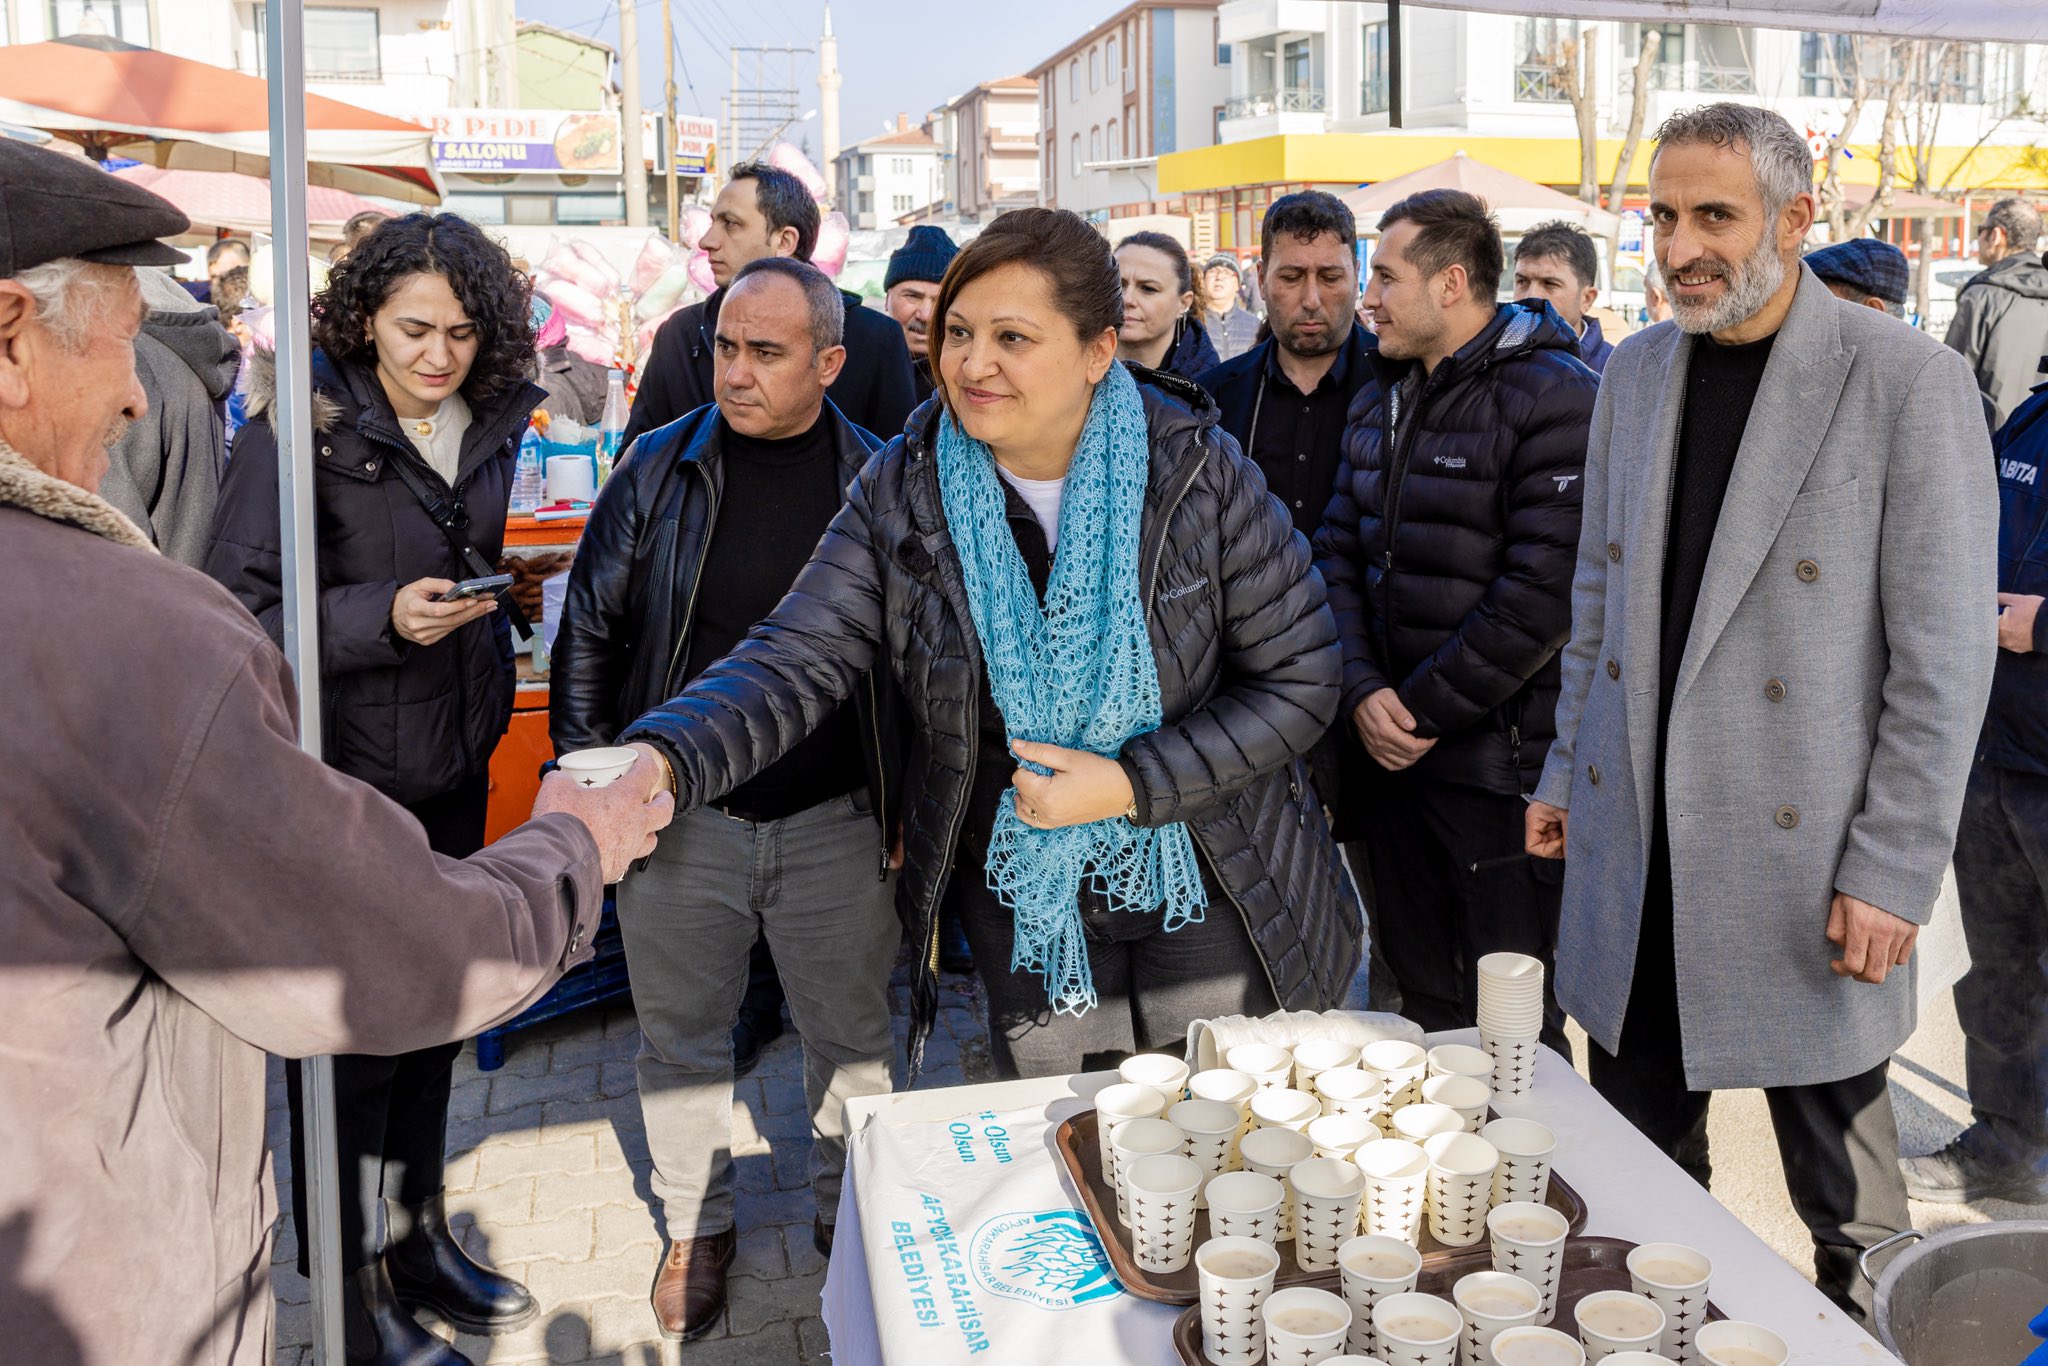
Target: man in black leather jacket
point(694, 540)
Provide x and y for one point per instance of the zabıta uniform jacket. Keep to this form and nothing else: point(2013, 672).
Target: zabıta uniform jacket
point(1248, 670)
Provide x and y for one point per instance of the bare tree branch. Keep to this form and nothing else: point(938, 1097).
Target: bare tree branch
point(1581, 72)
point(1639, 100)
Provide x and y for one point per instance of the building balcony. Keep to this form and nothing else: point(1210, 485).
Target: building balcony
point(1240, 21)
point(1703, 78)
point(1266, 103)
point(1541, 83)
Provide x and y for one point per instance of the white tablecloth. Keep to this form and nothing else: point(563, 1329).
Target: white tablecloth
point(1631, 1190)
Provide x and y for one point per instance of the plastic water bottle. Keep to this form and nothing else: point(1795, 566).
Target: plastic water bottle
point(526, 475)
point(611, 430)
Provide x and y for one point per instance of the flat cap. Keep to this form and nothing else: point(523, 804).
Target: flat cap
point(53, 206)
point(1863, 263)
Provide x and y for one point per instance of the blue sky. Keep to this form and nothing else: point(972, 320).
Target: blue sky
point(893, 54)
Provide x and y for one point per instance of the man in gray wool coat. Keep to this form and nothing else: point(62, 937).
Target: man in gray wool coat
point(1783, 626)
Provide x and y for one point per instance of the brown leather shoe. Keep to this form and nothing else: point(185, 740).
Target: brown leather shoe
point(689, 1294)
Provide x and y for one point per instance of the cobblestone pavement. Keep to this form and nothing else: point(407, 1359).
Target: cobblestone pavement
point(548, 1181)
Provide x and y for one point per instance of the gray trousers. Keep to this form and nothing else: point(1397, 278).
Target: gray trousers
point(807, 883)
point(2002, 881)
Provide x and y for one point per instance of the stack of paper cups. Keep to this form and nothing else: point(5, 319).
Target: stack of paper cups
point(1402, 1064)
point(1269, 1066)
point(1525, 1150)
point(1313, 1057)
point(1396, 1187)
point(1245, 1205)
point(1327, 1192)
point(1527, 1240)
point(1114, 1105)
point(1460, 1186)
point(1133, 1139)
point(1273, 1152)
point(1373, 1266)
point(1208, 1137)
point(1236, 1276)
point(1675, 1277)
point(1491, 1301)
point(1352, 1091)
point(1511, 1018)
point(1162, 1197)
point(1304, 1326)
point(1162, 1072)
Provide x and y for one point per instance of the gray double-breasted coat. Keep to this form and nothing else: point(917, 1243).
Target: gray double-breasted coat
point(1827, 705)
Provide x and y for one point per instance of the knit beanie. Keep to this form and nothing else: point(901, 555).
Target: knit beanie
point(923, 256)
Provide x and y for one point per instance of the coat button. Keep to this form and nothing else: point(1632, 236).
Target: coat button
point(1593, 774)
point(1614, 551)
point(1807, 571)
point(1613, 669)
point(1775, 690)
point(327, 450)
point(369, 467)
point(1787, 817)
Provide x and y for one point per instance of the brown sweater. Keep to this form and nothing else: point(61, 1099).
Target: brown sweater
point(183, 889)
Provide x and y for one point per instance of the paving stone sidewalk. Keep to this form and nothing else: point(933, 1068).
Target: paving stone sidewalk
point(548, 1180)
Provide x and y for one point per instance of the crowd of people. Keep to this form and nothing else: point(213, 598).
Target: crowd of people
point(1158, 639)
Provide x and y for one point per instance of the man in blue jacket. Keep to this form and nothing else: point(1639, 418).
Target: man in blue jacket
point(2001, 863)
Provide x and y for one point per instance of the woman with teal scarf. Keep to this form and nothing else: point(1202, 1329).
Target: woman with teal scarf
point(1115, 653)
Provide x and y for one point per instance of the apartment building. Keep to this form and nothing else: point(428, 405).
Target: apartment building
point(990, 140)
point(1150, 80)
point(897, 175)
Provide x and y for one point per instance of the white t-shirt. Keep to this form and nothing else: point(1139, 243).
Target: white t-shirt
point(1044, 497)
point(439, 438)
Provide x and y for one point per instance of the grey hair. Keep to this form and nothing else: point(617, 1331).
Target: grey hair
point(65, 291)
point(1653, 278)
point(828, 308)
point(2021, 221)
point(1779, 157)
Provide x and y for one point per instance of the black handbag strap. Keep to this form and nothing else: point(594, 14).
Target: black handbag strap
point(453, 522)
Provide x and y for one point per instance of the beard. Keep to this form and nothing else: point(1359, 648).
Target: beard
point(1749, 286)
point(115, 431)
point(1291, 341)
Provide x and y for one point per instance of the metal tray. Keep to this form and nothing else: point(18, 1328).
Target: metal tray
point(1078, 1148)
point(1590, 1264)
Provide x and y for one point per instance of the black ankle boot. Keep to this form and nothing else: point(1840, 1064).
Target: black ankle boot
point(430, 1270)
point(376, 1329)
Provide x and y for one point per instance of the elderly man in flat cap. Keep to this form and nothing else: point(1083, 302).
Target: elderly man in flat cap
point(184, 889)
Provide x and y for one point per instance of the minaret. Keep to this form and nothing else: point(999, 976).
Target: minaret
point(828, 99)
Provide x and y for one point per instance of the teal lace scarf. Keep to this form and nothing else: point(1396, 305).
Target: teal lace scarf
point(1078, 673)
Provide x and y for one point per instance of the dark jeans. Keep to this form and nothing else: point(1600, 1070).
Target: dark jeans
point(1149, 985)
point(390, 1113)
point(2002, 880)
point(1453, 885)
point(1838, 1140)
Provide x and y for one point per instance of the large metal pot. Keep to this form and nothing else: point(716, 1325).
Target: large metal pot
point(1964, 1296)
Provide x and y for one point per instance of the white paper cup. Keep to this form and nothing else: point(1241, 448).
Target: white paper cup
point(1468, 1096)
point(1373, 1265)
point(1245, 1205)
point(1133, 1139)
point(1162, 1196)
point(1273, 1152)
point(1283, 1107)
point(1676, 1277)
point(1731, 1342)
point(1514, 1060)
point(1327, 1192)
point(1401, 1063)
point(1235, 1276)
point(1460, 1186)
point(597, 767)
point(1312, 1057)
point(1304, 1326)
point(1525, 1153)
point(1113, 1105)
point(1527, 1240)
point(1613, 1321)
point(1491, 1301)
point(1396, 1187)
point(1224, 1084)
point(1162, 1072)
point(1417, 1330)
point(1351, 1091)
point(1536, 1346)
point(1340, 1136)
point(1209, 1137)
point(1271, 1067)
point(1459, 1060)
point(1511, 973)
point(1421, 1122)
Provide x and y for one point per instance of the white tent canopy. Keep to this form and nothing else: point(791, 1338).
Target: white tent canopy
point(2019, 21)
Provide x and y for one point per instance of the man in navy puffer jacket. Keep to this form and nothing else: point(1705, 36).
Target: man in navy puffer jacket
point(1448, 550)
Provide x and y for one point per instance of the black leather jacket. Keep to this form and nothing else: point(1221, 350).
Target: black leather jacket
point(1248, 674)
point(624, 635)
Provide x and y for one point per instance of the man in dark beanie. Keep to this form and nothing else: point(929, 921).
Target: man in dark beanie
point(911, 288)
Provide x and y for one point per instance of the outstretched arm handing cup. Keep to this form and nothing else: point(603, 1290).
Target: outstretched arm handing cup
point(623, 816)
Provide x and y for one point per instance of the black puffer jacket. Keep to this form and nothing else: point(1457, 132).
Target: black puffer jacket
point(1248, 670)
point(412, 721)
point(1449, 543)
point(624, 636)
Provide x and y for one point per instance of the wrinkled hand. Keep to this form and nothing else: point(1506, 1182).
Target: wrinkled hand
point(2016, 613)
point(623, 817)
point(1873, 941)
point(421, 620)
point(1543, 830)
point(1387, 729)
point(1083, 787)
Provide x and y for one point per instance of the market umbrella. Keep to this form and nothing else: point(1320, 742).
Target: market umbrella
point(1519, 204)
point(115, 99)
point(241, 203)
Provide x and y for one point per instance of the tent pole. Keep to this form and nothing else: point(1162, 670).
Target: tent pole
point(1394, 64)
point(285, 42)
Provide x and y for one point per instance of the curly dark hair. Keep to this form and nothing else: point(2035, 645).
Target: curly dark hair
point(491, 289)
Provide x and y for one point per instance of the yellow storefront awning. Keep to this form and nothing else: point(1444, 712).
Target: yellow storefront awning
point(1366, 158)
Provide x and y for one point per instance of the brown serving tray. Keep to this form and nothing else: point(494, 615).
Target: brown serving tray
point(1590, 1264)
point(1078, 1147)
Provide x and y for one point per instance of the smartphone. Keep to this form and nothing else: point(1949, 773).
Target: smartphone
point(489, 586)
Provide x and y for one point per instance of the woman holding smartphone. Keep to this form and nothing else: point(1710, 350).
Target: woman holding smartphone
point(1115, 653)
point(419, 401)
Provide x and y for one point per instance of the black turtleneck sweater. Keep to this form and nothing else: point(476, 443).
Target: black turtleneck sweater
point(777, 499)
